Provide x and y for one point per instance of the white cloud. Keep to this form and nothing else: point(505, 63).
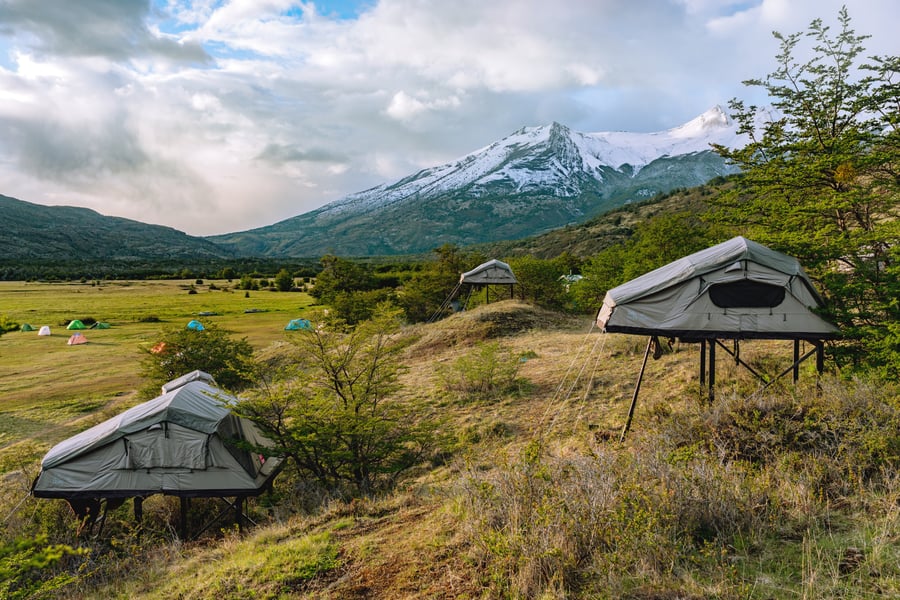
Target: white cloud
point(217, 115)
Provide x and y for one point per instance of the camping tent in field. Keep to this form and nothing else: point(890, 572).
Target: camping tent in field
point(26, 327)
point(45, 330)
point(186, 442)
point(298, 324)
point(492, 272)
point(77, 339)
point(75, 324)
point(195, 325)
point(100, 325)
point(735, 290)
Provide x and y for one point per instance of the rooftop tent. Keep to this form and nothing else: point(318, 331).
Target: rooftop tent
point(26, 327)
point(45, 330)
point(491, 272)
point(298, 324)
point(185, 442)
point(77, 339)
point(75, 324)
point(195, 325)
point(735, 290)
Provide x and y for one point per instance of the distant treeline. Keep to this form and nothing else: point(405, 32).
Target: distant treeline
point(104, 269)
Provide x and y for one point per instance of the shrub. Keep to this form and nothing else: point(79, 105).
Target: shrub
point(485, 373)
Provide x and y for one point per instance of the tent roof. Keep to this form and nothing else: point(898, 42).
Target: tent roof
point(193, 404)
point(657, 303)
point(706, 261)
point(491, 272)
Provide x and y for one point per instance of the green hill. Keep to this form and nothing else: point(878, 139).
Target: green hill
point(36, 232)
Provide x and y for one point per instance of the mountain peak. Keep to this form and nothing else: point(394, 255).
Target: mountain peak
point(531, 180)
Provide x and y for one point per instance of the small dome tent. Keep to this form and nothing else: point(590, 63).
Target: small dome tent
point(75, 324)
point(26, 327)
point(76, 339)
point(736, 290)
point(186, 442)
point(195, 325)
point(44, 330)
point(298, 324)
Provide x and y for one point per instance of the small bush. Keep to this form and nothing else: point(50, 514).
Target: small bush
point(485, 373)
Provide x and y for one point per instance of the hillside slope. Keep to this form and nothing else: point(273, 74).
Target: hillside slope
point(33, 231)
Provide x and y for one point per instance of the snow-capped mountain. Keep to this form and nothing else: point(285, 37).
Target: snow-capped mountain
point(535, 179)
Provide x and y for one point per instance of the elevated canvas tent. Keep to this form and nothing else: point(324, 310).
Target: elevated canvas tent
point(186, 442)
point(736, 290)
point(493, 272)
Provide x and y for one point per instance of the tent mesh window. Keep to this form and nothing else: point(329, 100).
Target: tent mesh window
point(746, 294)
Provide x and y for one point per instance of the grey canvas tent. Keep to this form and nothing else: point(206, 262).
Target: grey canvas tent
point(186, 442)
point(492, 272)
point(735, 290)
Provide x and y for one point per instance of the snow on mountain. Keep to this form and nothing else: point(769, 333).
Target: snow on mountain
point(511, 160)
point(531, 181)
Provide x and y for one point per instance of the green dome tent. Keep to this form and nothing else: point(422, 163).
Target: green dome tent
point(26, 327)
point(76, 324)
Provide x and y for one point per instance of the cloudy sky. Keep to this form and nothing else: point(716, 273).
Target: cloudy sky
point(214, 116)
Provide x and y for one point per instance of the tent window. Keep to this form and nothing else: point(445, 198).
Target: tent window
point(746, 294)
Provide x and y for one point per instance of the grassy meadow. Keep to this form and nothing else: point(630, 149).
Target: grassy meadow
point(50, 390)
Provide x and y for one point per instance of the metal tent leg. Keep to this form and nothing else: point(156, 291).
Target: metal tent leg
point(637, 389)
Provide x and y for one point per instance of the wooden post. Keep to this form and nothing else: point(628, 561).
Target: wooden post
point(637, 389)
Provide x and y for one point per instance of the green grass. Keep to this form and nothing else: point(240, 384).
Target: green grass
point(49, 390)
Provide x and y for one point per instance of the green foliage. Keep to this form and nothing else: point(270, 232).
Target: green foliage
point(425, 292)
point(181, 350)
point(335, 418)
point(654, 243)
point(485, 373)
point(284, 281)
point(341, 275)
point(539, 281)
point(357, 306)
point(7, 325)
point(26, 567)
point(820, 181)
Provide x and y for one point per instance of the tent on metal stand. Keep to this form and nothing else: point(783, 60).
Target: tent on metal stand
point(186, 442)
point(493, 272)
point(736, 290)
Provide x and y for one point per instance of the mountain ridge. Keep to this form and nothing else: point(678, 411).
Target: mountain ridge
point(35, 231)
point(536, 179)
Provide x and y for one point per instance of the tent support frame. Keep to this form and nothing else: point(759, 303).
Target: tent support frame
point(818, 350)
point(637, 389)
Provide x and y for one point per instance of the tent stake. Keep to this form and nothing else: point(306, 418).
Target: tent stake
point(637, 389)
